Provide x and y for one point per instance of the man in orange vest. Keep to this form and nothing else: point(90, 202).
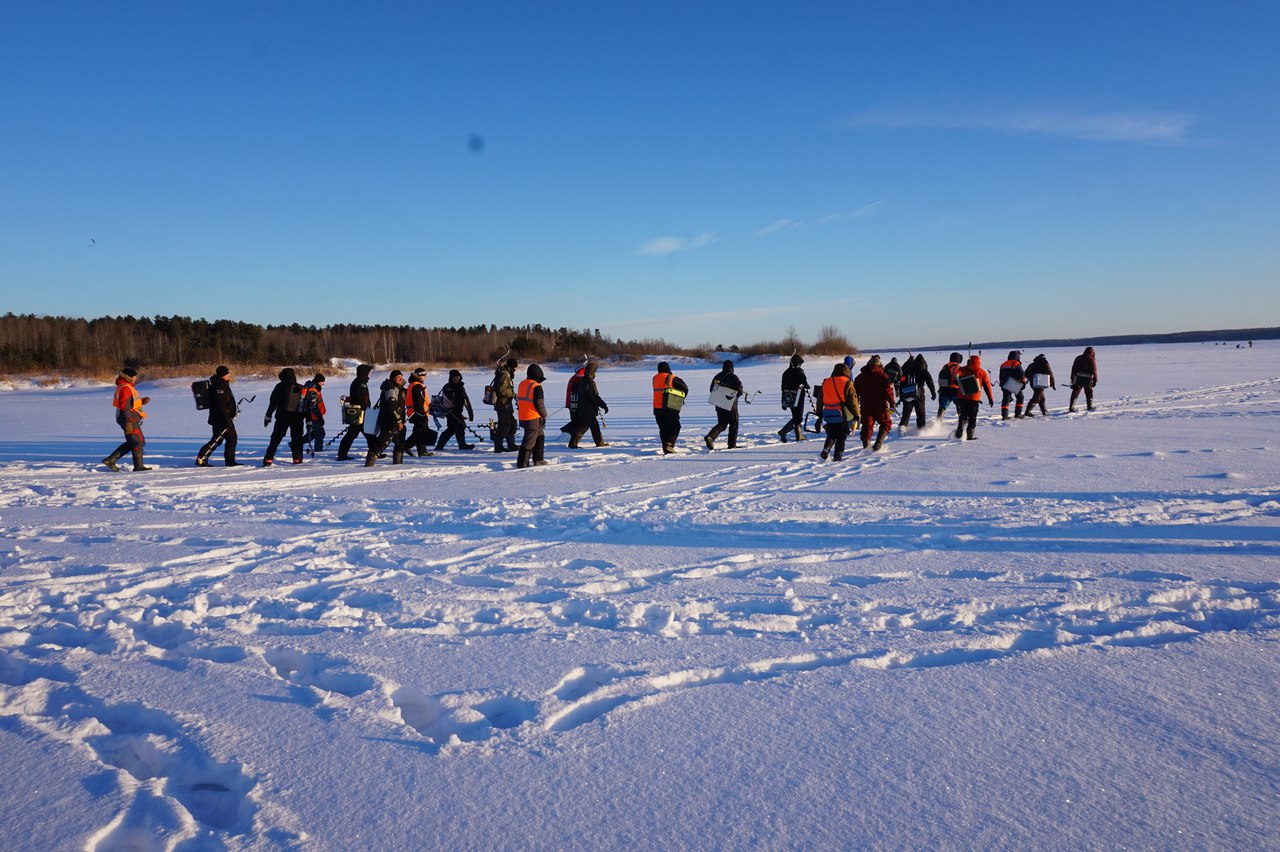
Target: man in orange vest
point(839, 410)
point(972, 381)
point(532, 412)
point(129, 415)
point(415, 412)
point(669, 392)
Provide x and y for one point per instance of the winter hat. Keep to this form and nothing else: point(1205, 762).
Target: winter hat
point(318, 380)
point(956, 357)
point(873, 361)
point(454, 374)
point(848, 361)
point(420, 374)
point(288, 375)
point(728, 366)
point(364, 370)
point(130, 372)
point(394, 374)
point(511, 364)
point(664, 367)
point(221, 372)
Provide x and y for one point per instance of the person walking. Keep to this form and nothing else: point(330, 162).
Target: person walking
point(390, 421)
point(947, 387)
point(222, 417)
point(286, 404)
point(1012, 382)
point(1084, 376)
point(314, 408)
point(571, 400)
point(504, 397)
point(589, 406)
point(840, 411)
point(456, 402)
point(357, 397)
point(532, 411)
point(915, 379)
point(416, 409)
point(794, 386)
point(875, 399)
point(1039, 376)
point(726, 412)
point(972, 381)
point(129, 416)
point(669, 392)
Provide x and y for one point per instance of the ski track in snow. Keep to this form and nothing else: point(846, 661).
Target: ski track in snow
point(219, 573)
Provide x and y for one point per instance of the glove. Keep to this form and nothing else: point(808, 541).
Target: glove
point(145, 400)
point(266, 421)
point(604, 408)
point(933, 397)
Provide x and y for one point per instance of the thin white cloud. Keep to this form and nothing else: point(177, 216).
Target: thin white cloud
point(781, 225)
point(672, 245)
point(1149, 128)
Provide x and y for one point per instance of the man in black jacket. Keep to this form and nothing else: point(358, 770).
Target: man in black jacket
point(727, 417)
point(222, 415)
point(456, 402)
point(390, 421)
point(911, 386)
point(357, 396)
point(589, 407)
point(286, 404)
point(794, 385)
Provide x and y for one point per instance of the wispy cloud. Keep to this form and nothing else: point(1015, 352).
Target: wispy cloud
point(783, 225)
point(672, 245)
point(1149, 128)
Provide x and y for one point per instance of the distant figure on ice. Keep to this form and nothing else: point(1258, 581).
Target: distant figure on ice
point(504, 397)
point(1039, 376)
point(571, 399)
point(794, 385)
point(313, 407)
point(726, 410)
point(875, 399)
point(1012, 376)
point(286, 403)
point(1084, 375)
point(972, 381)
point(456, 402)
point(129, 416)
point(357, 397)
point(839, 411)
point(948, 389)
point(915, 378)
point(531, 408)
point(390, 421)
point(669, 392)
point(416, 410)
point(589, 406)
point(222, 416)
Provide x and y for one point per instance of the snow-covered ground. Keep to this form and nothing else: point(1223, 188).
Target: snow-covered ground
point(1062, 635)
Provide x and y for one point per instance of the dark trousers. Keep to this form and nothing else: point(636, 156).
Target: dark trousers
point(291, 423)
point(837, 433)
point(533, 443)
point(344, 446)
point(726, 419)
point(454, 427)
point(1037, 398)
point(422, 436)
point(134, 441)
point(504, 434)
point(916, 405)
point(394, 436)
point(580, 428)
point(796, 421)
point(1005, 399)
point(968, 410)
point(1075, 394)
point(228, 443)
point(317, 435)
point(668, 427)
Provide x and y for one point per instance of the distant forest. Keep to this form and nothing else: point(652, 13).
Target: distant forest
point(32, 343)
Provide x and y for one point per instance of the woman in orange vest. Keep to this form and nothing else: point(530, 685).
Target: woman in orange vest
point(972, 381)
point(531, 409)
point(129, 415)
point(839, 410)
point(669, 392)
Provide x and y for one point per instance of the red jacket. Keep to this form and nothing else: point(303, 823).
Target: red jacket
point(974, 368)
point(875, 391)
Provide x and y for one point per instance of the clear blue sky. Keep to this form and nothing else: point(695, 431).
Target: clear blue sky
point(911, 173)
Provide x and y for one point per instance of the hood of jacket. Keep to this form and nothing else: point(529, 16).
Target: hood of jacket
point(796, 361)
point(535, 372)
point(975, 361)
point(288, 376)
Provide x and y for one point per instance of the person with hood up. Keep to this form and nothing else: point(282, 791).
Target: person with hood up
point(915, 378)
point(875, 398)
point(129, 416)
point(947, 387)
point(504, 397)
point(839, 411)
point(794, 385)
point(669, 392)
point(531, 409)
point(390, 421)
point(286, 403)
point(357, 397)
point(726, 418)
point(571, 399)
point(416, 409)
point(972, 381)
point(1040, 376)
point(589, 406)
point(1011, 374)
point(1084, 376)
point(456, 402)
point(222, 416)
point(315, 412)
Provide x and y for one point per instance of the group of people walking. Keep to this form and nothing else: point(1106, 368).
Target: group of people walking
point(404, 408)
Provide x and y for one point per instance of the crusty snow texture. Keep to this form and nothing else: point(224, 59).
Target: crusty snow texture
point(1062, 635)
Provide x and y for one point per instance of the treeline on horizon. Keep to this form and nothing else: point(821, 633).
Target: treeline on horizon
point(30, 343)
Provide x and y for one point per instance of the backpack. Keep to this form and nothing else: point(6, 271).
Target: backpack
point(488, 398)
point(200, 390)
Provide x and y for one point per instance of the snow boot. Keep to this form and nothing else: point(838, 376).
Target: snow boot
point(137, 461)
point(110, 462)
point(709, 441)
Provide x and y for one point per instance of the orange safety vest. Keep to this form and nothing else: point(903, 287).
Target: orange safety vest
point(663, 387)
point(834, 390)
point(528, 408)
point(411, 409)
point(128, 399)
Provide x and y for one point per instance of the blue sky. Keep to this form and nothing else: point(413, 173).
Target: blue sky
point(911, 173)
